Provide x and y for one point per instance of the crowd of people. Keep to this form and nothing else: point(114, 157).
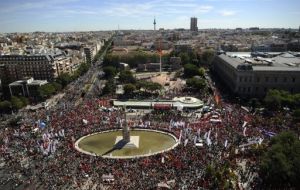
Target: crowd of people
point(217, 149)
point(40, 152)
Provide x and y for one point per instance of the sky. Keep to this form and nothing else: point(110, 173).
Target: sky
point(87, 15)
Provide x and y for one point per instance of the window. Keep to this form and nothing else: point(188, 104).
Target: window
point(241, 78)
point(267, 79)
point(275, 79)
point(249, 89)
point(257, 89)
point(284, 79)
point(294, 79)
point(258, 79)
point(246, 79)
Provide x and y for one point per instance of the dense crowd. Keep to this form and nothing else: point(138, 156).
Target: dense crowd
point(40, 152)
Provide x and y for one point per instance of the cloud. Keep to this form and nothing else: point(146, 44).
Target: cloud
point(227, 13)
point(203, 9)
point(30, 5)
point(156, 7)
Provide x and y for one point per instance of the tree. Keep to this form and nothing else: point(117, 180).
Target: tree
point(196, 83)
point(273, 99)
point(185, 59)
point(129, 89)
point(126, 77)
point(110, 72)
point(16, 103)
point(24, 100)
point(296, 115)
point(201, 71)
point(109, 87)
point(57, 86)
point(46, 90)
point(149, 86)
point(64, 79)
point(190, 70)
point(207, 56)
point(5, 106)
point(280, 166)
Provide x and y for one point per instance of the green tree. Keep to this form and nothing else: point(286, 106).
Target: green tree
point(207, 56)
point(126, 77)
point(296, 115)
point(64, 79)
point(201, 71)
point(149, 86)
point(16, 103)
point(110, 72)
point(185, 59)
point(273, 99)
point(5, 106)
point(129, 89)
point(196, 83)
point(190, 70)
point(280, 166)
point(24, 100)
point(109, 88)
point(46, 90)
point(57, 86)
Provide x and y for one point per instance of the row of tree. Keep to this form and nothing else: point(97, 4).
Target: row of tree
point(276, 99)
point(133, 58)
point(15, 103)
point(280, 164)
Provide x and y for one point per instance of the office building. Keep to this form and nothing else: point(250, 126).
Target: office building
point(40, 67)
point(252, 75)
point(194, 26)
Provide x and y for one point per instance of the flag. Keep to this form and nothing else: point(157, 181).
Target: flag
point(163, 160)
point(244, 132)
point(186, 141)
point(205, 135)
point(226, 143)
point(260, 141)
point(180, 136)
point(195, 139)
point(42, 125)
point(198, 132)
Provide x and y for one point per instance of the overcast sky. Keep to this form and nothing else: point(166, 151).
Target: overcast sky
point(84, 15)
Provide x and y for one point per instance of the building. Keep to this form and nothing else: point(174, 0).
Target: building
point(194, 26)
point(247, 74)
point(88, 55)
point(27, 87)
point(41, 67)
point(183, 46)
point(175, 63)
point(150, 67)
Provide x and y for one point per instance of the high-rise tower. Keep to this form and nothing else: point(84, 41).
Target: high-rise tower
point(194, 26)
point(154, 23)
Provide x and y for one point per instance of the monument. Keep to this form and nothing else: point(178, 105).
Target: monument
point(126, 141)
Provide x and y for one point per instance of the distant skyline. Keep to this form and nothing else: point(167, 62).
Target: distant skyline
point(86, 15)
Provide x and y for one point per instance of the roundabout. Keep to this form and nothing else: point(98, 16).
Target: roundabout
point(143, 142)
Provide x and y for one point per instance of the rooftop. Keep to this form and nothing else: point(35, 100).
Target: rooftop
point(284, 61)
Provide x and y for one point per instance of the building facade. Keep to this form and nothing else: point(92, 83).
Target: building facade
point(250, 76)
point(40, 67)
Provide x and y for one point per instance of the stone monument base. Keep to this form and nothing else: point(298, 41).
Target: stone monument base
point(133, 143)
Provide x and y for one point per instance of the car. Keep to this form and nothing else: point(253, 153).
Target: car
point(131, 111)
